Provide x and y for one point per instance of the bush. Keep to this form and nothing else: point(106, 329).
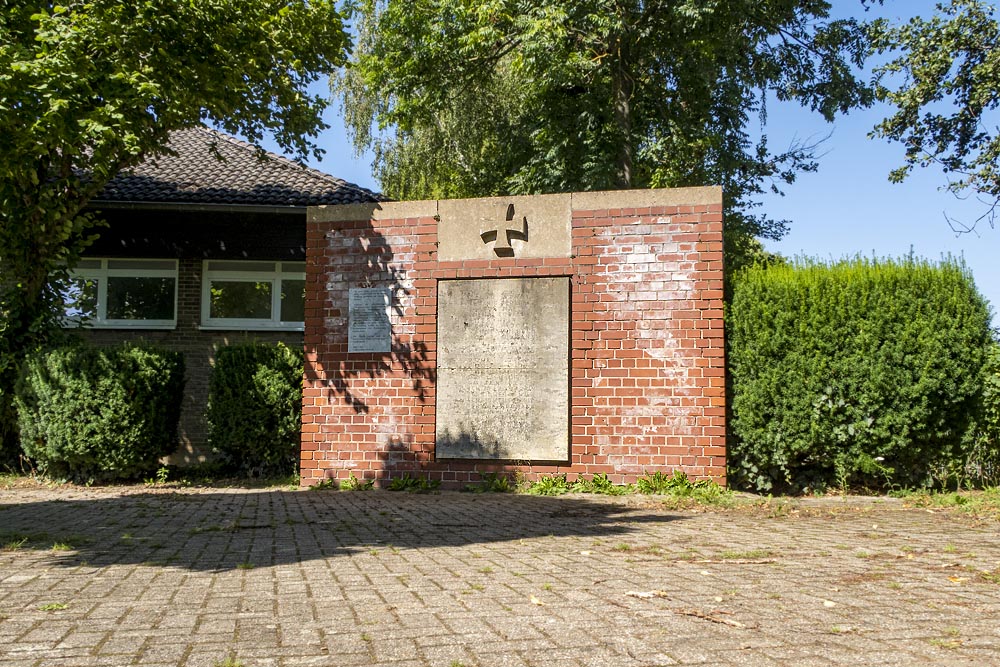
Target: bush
point(10, 448)
point(983, 467)
point(90, 414)
point(863, 372)
point(255, 407)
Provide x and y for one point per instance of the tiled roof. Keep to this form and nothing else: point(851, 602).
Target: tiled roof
point(196, 175)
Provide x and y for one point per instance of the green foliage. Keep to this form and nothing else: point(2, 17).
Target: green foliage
point(863, 372)
point(90, 414)
point(549, 485)
point(660, 483)
point(230, 661)
point(162, 477)
point(983, 465)
point(944, 85)
point(491, 482)
point(462, 99)
point(353, 483)
point(599, 484)
point(678, 486)
point(985, 503)
point(88, 89)
point(414, 484)
point(255, 407)
point(991, 396)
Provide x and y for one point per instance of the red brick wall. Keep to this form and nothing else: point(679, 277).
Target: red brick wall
point(647, 355)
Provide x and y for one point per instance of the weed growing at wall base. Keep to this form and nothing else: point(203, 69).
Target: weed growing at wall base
point(677, 486)
point(491, 482)
point(414, 484)
point(352, 483)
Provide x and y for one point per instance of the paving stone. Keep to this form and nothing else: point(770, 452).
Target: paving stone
point(488, 580)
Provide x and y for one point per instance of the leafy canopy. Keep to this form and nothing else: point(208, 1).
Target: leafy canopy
point(92, 87)
point(944, 85)
point(462, 98)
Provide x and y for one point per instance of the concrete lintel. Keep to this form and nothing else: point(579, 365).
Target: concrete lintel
point(386, 210)
point(538, 226)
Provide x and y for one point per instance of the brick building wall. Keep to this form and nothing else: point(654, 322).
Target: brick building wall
point(198, 347)
point(647, 385)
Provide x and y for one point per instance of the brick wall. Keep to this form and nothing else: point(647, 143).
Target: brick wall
point(647, 349)
point(198, 348)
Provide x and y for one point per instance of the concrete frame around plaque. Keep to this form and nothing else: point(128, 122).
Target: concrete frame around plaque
point(500, 227)
point(503, 369)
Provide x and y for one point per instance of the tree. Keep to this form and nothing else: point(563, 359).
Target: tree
point(92, 87)
point(465, 98)
point(944, 83)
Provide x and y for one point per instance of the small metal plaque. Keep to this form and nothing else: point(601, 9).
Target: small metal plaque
point(368, 325)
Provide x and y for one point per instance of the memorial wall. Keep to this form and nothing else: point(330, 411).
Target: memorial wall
point(578, 333)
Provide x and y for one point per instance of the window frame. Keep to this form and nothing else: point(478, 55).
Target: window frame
point(103, 274)
point(275, 277)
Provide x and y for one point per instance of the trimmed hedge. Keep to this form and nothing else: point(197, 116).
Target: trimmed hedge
point(984, 463)
point(255, 407)
point(98, 414)
point(863, 372)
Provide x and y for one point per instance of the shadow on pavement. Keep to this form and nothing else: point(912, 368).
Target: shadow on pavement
point(220, 530)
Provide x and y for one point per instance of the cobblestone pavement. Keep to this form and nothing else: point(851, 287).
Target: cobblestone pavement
point(153, 577)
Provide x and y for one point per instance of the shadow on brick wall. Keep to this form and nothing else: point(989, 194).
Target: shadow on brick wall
point(366, 254)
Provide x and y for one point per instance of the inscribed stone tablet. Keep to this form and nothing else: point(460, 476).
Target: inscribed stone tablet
point(503, 369)
point(368, 326)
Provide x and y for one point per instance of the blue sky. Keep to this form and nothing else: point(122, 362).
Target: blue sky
point(848, 207)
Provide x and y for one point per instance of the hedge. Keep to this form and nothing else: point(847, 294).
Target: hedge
point(983, 467)
point(91, 414)
point(255, 407)
point(862, 372)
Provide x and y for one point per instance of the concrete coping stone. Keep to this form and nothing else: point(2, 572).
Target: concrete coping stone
point(580, 201)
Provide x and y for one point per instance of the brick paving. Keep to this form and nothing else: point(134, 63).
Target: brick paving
point(155, 577)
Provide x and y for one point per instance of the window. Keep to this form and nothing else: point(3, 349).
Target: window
point(253, 295)
point(118, 293)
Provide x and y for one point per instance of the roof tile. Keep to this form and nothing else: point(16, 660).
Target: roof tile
point(195, 174)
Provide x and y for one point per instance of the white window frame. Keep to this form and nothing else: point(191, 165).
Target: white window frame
point(274, 277)
point(103, 273)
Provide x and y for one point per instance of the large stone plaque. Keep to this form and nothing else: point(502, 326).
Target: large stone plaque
point(368, 325)
point(503, 369)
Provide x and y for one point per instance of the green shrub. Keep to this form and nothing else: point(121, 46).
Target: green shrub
point(255, 407)
point(10, 448)
point(96, 414)
point(863, 372)
point(983, 467)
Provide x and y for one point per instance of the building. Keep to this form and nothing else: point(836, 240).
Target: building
point(204, 247)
